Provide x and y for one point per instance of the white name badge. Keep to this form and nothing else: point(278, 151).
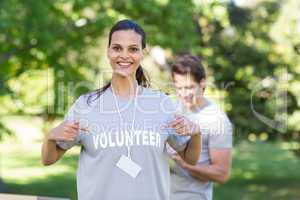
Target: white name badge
point(128, 166)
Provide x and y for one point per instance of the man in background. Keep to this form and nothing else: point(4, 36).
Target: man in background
point(196, 182)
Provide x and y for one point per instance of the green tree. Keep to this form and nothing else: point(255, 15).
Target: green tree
point(242, 47)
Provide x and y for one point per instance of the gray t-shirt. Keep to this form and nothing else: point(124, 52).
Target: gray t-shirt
point(217, 133)
point(98, 177)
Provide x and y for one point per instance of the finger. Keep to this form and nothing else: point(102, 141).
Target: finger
point(85, 130)
point(74, 125)
point(179, 125)
point(177, 159)
point(175, 122)
point(77, 126)
point(178, 116)
point(181, 131)
point(70, 136)
point(67, 139)
point(71, 130)
point(77, 130)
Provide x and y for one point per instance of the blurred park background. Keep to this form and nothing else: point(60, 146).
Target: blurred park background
point(52, 51)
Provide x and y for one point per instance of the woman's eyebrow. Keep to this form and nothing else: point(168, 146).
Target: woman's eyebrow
point(131, 45)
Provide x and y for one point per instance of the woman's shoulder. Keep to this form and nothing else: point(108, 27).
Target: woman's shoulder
point(93, 97)
point(79, 101)
point(85, 99)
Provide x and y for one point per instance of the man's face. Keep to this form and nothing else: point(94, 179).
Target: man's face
point(188, 90)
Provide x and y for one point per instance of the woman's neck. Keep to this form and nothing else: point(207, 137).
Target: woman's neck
point(124, 86)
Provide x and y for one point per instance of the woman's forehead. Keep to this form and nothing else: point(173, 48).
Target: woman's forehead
point(126, 38)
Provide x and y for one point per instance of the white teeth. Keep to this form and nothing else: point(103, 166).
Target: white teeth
point(124, 64)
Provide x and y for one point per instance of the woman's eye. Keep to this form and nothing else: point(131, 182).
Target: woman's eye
point(116, 48)
point(134, 49)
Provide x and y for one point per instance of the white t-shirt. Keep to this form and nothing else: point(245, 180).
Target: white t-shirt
point(217, 133)
point(98, 177)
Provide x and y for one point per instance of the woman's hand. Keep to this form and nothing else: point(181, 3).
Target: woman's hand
point(184, 126)
point(66, 131)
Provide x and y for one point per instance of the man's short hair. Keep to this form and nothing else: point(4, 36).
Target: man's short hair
point(187, 64)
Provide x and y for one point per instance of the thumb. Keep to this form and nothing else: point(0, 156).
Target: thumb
point(176, 157)
point(163, 126)
point(75, 124)
point(177, 116)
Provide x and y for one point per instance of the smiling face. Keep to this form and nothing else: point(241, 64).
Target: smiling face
point(188, 90)
point(125, 52)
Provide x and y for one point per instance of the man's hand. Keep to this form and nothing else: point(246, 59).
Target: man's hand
point(186, 166)
point(184, 126)
point(177, 158)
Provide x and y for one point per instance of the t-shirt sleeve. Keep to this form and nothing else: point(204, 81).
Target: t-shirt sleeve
point(221, 134)
point(176, 141)
point(71, 116)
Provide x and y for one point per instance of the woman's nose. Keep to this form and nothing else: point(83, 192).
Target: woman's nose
point(124, 54)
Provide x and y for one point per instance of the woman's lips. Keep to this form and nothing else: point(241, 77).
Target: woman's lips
point(124, 64)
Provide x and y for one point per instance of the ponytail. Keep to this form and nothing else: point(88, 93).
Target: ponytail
point(97, 93)
point(141, 78)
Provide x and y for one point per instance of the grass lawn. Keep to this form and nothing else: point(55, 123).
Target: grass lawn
point(22, 171)
point(260, 171)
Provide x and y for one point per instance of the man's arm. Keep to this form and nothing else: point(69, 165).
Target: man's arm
point(192, 151)
point(185, 127)
point(218, 171)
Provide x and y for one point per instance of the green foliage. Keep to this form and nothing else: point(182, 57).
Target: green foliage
point(249, 51)
point(239, 49)
point(5, 130)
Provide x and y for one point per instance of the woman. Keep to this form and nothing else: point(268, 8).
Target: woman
point(122, 129)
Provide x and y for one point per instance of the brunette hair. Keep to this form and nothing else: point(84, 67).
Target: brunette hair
point(189, 64)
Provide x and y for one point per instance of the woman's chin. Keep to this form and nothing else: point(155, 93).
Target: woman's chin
point(123, 73)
